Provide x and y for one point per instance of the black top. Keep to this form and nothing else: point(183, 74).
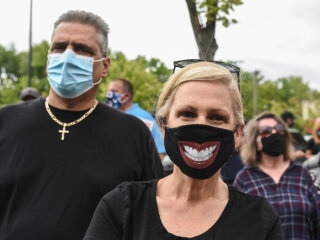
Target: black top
point(130, 212)
point(311, 145)
point(49, 188)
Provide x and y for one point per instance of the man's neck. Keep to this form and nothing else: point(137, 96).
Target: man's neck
point(83, 102)
point(125, 106)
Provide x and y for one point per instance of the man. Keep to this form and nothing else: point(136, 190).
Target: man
point(120, 95)
point(288, 118)
point(60, 155)
point(297, 139)
point(28, 93)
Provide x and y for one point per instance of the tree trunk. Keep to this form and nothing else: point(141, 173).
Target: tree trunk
point(204, 35)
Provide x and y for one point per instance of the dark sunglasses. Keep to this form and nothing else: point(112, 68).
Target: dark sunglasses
point(266, 131)
point(234, 70)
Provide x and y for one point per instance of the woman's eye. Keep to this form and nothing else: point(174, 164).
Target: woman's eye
point(187, 114)
point(216, 118)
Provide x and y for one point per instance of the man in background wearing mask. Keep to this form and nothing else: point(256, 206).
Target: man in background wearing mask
point(61, 154)
point(119, 96)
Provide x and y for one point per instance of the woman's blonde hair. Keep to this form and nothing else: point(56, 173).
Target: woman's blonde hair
point(248, 150)
point(201, 71)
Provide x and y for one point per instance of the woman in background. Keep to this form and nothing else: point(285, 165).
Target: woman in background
point(270, 172)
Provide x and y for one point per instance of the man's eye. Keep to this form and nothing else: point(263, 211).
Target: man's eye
point(57, 49)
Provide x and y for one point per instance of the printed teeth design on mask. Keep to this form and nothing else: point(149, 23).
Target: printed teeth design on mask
point(198, 155)
point(201, 156)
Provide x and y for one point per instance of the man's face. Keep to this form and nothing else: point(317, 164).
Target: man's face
point(116, 86)
point(82, 39)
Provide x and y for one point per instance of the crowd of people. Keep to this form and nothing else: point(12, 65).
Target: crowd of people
point(74, 168)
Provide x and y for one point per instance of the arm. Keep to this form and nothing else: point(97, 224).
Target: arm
point(152, 164)
point(276, 232)
point(314, 198)
point(312, 162)
point(308, 153)
point(309, 147)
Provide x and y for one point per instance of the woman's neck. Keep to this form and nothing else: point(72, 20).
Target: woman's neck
point(270, 162)
point(179, 186)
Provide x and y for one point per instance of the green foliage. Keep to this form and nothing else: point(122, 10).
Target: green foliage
point(147, 78)
point(277, 96)
point(217, 10)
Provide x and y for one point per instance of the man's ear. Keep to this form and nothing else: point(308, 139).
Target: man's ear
point(238, 136)
point(106, 66)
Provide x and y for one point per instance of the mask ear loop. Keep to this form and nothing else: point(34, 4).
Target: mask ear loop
point(161, 121)
point(236, 127)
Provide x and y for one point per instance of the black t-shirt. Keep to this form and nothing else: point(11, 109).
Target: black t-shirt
point(311, 145)
point(49, 188)
point(130, 212)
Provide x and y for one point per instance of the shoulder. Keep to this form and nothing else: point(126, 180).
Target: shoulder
point(129, 190)
point(20, 109)
point(137, 111)
point(247, 204)
point(298, 170)
point(117, 118)
point(245, 173)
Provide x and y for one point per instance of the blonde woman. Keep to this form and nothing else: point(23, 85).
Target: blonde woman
point(200, 112)
point(313, 145)
point(270, 172)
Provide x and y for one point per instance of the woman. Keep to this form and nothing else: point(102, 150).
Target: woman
point(200, 112)
point(313, 145)
point(270, 172)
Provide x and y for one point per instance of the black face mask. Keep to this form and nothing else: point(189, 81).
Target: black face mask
point(199, 150)
point(274, 145)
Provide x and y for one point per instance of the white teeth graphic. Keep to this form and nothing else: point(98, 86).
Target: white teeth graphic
point(201, 156)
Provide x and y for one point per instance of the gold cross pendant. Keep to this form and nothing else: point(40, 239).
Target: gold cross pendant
point(63, 131)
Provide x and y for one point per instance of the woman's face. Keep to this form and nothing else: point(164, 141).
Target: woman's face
point(203, 102)
point(264, 123)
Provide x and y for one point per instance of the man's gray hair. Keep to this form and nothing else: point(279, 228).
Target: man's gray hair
point(91, 19)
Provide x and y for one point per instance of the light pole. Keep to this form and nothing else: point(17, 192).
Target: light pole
point(30, 47)
point(255, 91)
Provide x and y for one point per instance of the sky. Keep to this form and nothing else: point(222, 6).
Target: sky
point(278, 38)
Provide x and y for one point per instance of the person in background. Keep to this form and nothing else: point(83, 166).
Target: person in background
point(297, 138)
point(120, 95)
point(267, 152)
point(313, 145)
point(61, 154)
point(288, 118)
point(200, 113)
point(28, 93)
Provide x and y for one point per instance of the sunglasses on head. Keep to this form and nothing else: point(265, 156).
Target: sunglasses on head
point(266, 131)
point(234, 70)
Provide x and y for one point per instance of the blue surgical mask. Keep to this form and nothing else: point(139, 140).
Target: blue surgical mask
point(113, 99)
point(70, 74)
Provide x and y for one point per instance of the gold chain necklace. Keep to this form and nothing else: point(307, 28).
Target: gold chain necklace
point(64, 125)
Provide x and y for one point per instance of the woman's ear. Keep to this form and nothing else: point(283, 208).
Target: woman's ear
point(238, 136)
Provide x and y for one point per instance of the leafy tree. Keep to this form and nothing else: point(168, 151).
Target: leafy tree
point(277, 96)
point(145, 76)
point(204, 14)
